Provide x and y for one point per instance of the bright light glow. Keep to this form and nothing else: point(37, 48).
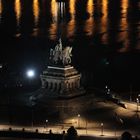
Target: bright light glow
point(78, 115)
point(102, 124)
point(30, 73)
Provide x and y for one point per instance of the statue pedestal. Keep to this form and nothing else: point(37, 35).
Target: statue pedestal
point(62, 81)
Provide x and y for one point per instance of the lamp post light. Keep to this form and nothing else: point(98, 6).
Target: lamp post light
point(102, 129)
point(32, 109)
point(32, 103)
point(137, 100)
point(46, 123)
point(115, 131)
point(30, 73)
point(106, 88)
point(78, 120)
point(86, 126)
point(32, 118)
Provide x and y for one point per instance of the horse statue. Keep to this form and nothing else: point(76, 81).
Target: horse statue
point(58, 55)
point(66, 55)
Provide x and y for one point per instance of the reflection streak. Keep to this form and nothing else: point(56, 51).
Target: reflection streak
point(54, 10)
point(71, 24)
point(104, 21)
point(53, 31)
point(0, 9)
point(124, 7)
point(72, 10)
point(124, 27)
point(104, 18)
point(18, 11)
point(36, 11)
point(89, 22)
point(53, 27)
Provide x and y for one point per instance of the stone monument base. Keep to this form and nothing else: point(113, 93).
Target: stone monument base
point(62, 81)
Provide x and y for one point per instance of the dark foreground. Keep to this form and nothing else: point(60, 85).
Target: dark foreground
point(24, 135)
point(16, 135)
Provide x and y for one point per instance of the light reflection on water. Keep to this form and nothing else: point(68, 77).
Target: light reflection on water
point(36, 11)
point(18, 11)
point(102, 24)
point(0, 9)
point(53, 26)
point(89, 22)
point(71, 23)
point(95, 18)
point(123, 35)
point(54, 11)
point(72, 18)
point(112, 19)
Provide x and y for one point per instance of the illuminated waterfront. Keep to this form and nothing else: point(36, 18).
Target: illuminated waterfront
point(104, 35)
point(109, 31)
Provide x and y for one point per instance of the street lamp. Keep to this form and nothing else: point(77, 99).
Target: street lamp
point(32, 110)
point(106, 88)
point(78, 120)
point(30, 73)
point(102, 129)
point(46, 123)
point(137, 100)
point(86, 126)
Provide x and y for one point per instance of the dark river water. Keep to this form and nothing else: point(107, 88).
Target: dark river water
point(105, 35)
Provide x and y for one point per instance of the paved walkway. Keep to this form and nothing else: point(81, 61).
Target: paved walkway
point(97, 132)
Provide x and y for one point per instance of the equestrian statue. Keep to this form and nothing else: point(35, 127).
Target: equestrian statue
point(60, 55)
